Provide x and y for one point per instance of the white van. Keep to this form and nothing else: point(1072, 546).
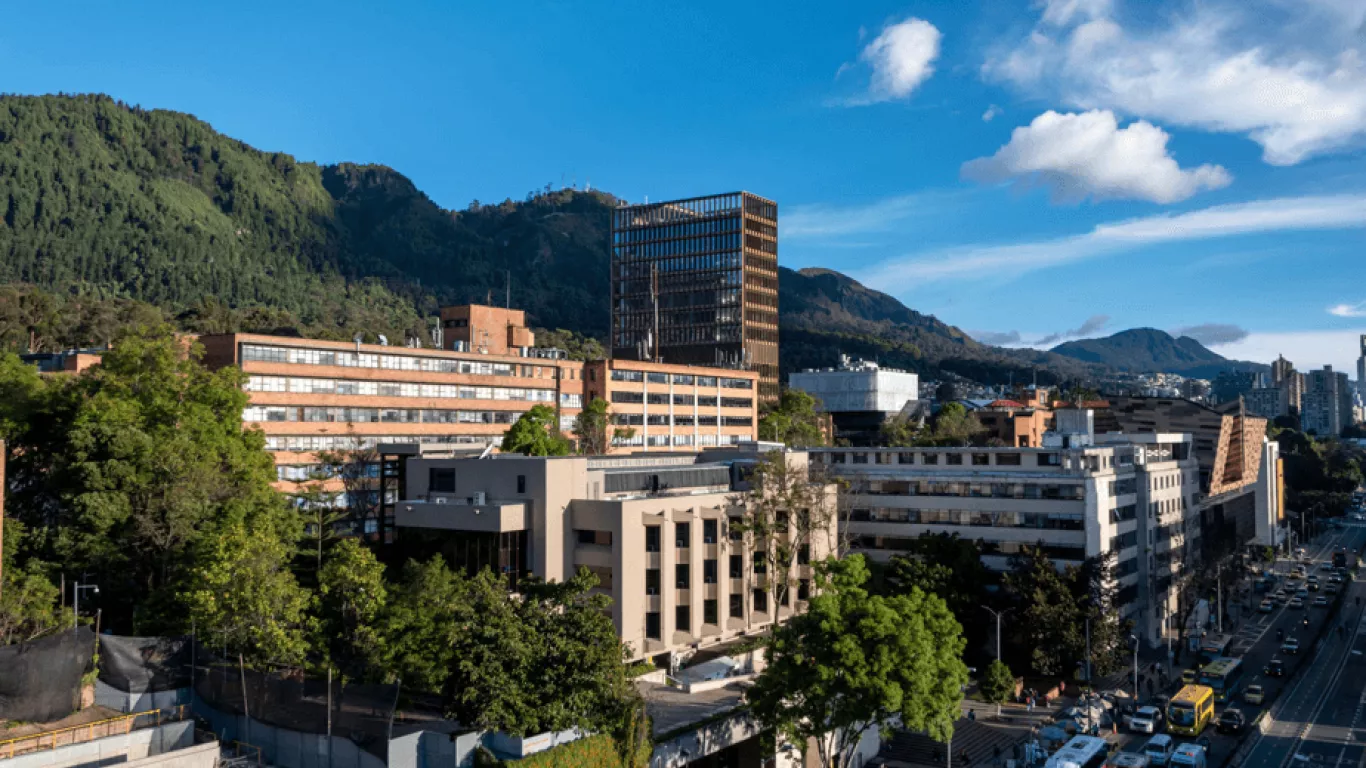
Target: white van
point(1188, 756)
point(1159, 749)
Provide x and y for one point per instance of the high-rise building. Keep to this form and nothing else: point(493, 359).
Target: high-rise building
point(695, 282)
point(1327, 402)
point(1230, 385)
point(1289, 381)
point(1361, 368)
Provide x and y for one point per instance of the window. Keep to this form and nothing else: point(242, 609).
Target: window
point(804, 589)
point(521, 483)
point(1007, 459)
point(682, 535)
point(930, 458)
point(682, 619)
point(709, 612)
point(652, 625)
point(760, 600)
point(599, 538)
point(708, 571)
point(681, 576)
point(440, 480)
point(953, 458)
point(804, 555)
point(760, 563)
point(737, 606)
point(651, 581)
point(737, 533)
point(981, 459)
point(708, 531)
point(651, 538)
point(737, 567)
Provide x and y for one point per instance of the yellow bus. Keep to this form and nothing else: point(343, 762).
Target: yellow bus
point(1191, 710)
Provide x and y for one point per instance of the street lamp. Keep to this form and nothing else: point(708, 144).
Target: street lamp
point(998, 615)
point(76, 603)
point(1134, 639)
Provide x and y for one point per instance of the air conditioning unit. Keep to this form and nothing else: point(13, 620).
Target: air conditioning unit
point(479, 499)
point(439, 500)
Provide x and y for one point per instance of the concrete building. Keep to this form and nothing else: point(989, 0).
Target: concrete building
point(1291, 382)
point(1326, 406)
point(66, 361)
point(1230, 385)
point(1020, 421)
point(657, 406)
point(695, 282)
point(657, 531)
point(1267, 402)
point(1079, 496)
point(860, 396)
point(1361, 368)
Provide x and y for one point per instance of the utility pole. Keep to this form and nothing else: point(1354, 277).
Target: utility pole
point(1088, 652)
point(1134, 640)
point(997, 614)
point(1219, 594)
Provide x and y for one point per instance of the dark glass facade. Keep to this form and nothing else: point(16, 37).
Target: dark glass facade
point(695, 282)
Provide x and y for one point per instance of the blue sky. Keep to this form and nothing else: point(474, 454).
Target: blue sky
point(1026, 171)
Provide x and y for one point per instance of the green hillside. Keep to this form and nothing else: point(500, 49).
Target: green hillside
point(109, 208)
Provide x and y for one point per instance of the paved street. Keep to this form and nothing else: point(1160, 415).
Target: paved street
point(1309, 674)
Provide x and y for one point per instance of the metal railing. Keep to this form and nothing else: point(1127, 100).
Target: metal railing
point(99, 729)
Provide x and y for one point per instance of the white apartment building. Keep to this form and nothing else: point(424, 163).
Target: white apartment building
point(859, 395)
point(1077, 498)
point(656, 529)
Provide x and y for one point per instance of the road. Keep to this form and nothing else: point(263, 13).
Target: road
point(1308, 674)
point(1316, 724)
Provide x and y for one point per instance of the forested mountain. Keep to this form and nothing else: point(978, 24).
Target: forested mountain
point(109, 208)
point(1149, 350)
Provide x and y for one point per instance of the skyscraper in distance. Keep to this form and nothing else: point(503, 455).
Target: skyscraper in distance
point(1361, 368)
point(695, 282)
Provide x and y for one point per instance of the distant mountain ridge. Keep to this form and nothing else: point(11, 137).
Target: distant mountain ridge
point(114, 214)
point(1150, 350)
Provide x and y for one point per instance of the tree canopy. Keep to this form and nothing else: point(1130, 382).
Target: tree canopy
point(590, 428)
point(794, 421)
point(536, 433)
point(856, 660)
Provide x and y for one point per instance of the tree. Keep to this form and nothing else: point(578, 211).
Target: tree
point(901, 432)
point(1049, 628)
point(590, 428)
point(794, 421)
point(855, 661)
point(784, 515)
point(1094, 589)
point(536, 433)
point(241, 596)
point(356, 469)
point(998, 684)
point(28, 599)
point(546, 660)
point(351, 601)
point(954, 426)
point(428, 606)
point(119, 471)
point(949, 566)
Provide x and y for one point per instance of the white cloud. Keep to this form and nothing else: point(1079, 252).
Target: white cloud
point(1308, 350)
point(1348, 310)
point(1089, 155)
point(1213, 334)
point(902, 58)
point(996, 338)
point(992, 113)
point(1093, 324)
point(819, 220)
point(1014, 259)
point(1290, 80)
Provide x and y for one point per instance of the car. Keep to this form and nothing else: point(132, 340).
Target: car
point(1301, 593)
point(1254, 695)
point(1320, 602)
point(1313, 586)
point(1146, 720)
point(1296, 602)
point(1291, 646)
point(1267, 606)
point(1189, 676)
point(1231, 721)
point(1325, 566)
point(1295, 574)
point(1331, 589)
point(1335, 579)
point(1274, 668)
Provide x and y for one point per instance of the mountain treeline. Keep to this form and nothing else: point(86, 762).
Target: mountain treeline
point(114, 215)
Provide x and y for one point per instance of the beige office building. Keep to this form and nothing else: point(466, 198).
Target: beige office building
point(656, 530)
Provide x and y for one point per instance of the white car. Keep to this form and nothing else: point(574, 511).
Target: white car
point(1145, 720)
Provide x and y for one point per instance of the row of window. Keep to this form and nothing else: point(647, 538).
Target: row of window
point(1123, 486)
point(1075, 492)
point(1124, 541)
point(268, 413)
point(1005, 548)
point(663, 420)
point(657, 398)
point(684, 255)
point(311, 386)
point(931, 459)
point(683, 613)
point(303, 472)
point(711, 226)
point(664, 441)
point(272, 354)
point(309, 443)
point(1041, 521)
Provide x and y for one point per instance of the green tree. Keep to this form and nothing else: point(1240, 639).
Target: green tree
point(949, 566)
point(854, 661)
point(119, 471)
point(954, 426)
point(998, 684)
point(28, 599)
point(794, 421)
point(546, 660)
point(351, 601)
point(536, 433)
point(1048, 629)
point(242, 596)
point(590, 428)
point(900, 432)
point(428, 607)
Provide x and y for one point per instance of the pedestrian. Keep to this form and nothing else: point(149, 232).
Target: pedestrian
point(972, 715)
point(1029, 703)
